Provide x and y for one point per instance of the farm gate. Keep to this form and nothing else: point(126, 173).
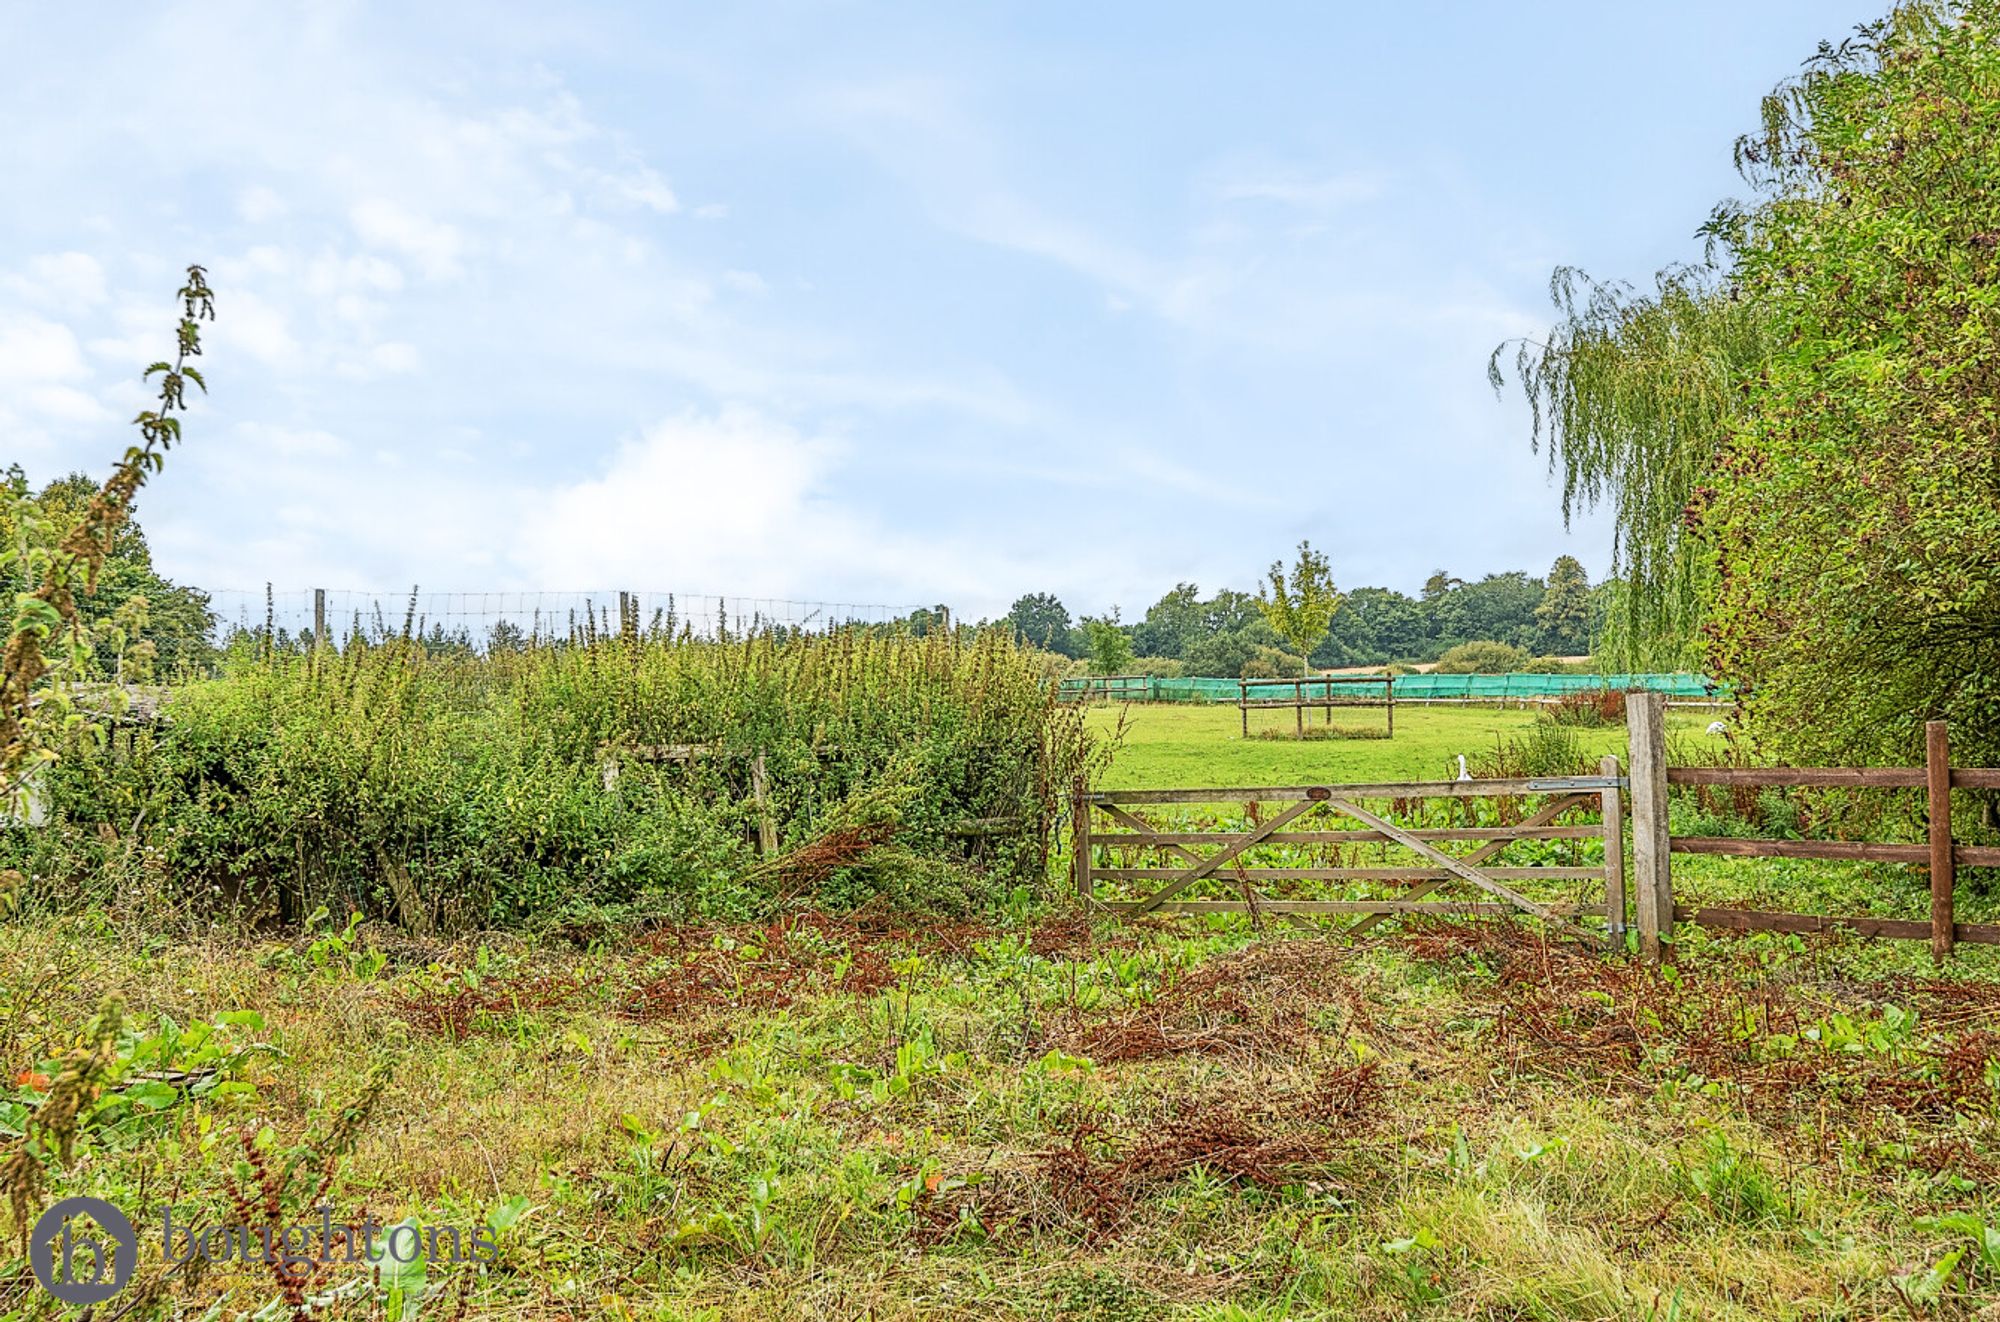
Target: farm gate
point(1317, 831)
point(1279, 851)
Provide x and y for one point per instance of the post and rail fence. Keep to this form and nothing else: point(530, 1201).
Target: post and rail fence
point(1316, 693)
point(1182, 870)
point(1653, 844)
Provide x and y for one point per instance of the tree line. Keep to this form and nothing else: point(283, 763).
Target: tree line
point(1525, 619)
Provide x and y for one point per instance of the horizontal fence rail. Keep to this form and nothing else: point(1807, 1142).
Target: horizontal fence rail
point(1278, 816)
point(1941, 854)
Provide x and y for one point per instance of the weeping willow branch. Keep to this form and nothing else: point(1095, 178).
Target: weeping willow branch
point(1634, 394)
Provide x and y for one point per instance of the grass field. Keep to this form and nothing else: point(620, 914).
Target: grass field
point(1174, 745)
point(1028, 1114)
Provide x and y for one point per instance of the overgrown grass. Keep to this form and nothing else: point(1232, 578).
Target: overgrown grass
point(1022, 1118)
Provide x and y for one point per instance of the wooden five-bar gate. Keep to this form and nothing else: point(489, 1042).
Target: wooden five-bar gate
point(1154, 867)
point(1183, 869)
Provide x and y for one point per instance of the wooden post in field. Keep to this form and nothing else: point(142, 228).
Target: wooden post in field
point(1299, 695)
point(767, 829)
point(1944, 872)
point(1652, 872)
point(1243, 704)
point(319, 626)
point(1614, 856)
point(1389, 691)
point(1079, 824)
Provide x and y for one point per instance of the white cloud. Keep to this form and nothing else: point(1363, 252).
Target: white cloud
point(258, 204)
point(62, 282)
point(264, 440)
point(259, 329)
point(434, 246)
point(1315, 193)
point(67, 404)
point(34, 350)
point(738, 502)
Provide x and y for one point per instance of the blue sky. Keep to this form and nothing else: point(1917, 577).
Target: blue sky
point(870, 303)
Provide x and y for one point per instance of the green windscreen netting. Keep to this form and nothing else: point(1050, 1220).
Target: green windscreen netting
point(1500, 688)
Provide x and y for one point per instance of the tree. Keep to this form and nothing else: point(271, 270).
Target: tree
point(136, 616)
point(1854, 512)
point(1500, 607)
point(1301, 608)
point(1110, 645)
point(1040, 620)
point(1563, 618)
point(1373, 625)
point(1172, 623)
point(1798, 437)
point(1635, 395)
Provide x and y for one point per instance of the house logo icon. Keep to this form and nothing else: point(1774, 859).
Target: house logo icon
point(78, 1262)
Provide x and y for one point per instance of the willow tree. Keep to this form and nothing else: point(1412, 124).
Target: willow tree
point(1635, 395)
point(1857, 509)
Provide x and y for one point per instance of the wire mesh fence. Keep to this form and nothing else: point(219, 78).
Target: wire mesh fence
point(483, 621)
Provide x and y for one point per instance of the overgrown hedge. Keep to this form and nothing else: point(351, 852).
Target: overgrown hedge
point(450, 791)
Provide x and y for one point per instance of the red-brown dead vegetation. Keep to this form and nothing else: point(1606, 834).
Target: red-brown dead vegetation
point(1302, 1138)
point(1256, 1001)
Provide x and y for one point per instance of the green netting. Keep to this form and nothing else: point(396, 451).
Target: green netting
point(1150, 688)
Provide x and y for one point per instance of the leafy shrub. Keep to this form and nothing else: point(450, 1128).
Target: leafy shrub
point(1588, 708)
point(1482, 658)
point(1272, 663)
point(1547, 749)
point(447, 791)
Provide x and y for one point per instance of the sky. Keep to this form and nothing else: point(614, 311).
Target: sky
point(870, 303)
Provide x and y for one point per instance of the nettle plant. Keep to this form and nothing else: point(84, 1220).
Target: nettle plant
point(48, 642)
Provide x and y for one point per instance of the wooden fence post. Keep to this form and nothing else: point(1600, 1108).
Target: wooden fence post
point(1652, 872)
point(1944, 871)
point(1243, 703)
point(1614, 856)
point(319, 617)
point(767, 828)
point(1079, 825)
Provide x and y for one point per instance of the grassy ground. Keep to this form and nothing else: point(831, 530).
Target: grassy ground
point(1173, 745)
point(1042, 1120)
point(1031, 1116)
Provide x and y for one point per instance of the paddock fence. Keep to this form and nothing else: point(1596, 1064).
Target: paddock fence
point(1291, 851)
point(1654, 844)
point(1680, 689)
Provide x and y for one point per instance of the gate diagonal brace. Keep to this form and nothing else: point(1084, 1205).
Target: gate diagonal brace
point(1457, 866)
point(1547, 814)
point(1125, 817)
point(1216, 860)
